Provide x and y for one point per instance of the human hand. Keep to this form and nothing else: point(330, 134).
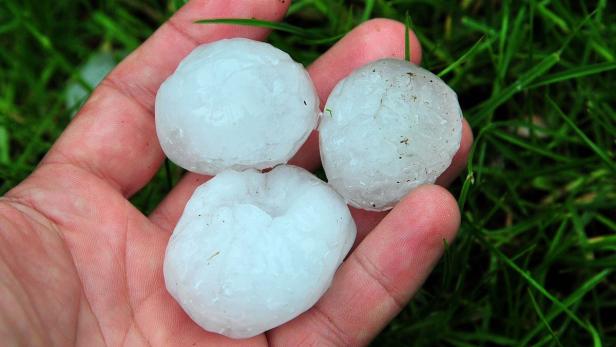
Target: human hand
point(80, 265)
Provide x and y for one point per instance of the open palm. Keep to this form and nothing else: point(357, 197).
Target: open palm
point(80, 265)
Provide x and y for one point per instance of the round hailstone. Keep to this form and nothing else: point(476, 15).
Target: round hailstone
point(235, 104)
point(387, 128)
point(253, 250)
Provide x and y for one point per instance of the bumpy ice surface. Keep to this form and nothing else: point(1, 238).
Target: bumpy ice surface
point(387, 128)
point(252, 250)
point(236, 104)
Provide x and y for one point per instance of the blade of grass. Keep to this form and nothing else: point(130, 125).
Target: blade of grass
point(578, 227)
point(6, 27)
point(297, 6)
point(606, 221)
point(484, 337)
point(457, 343)
point(312, 37)
point(569, 301)
point(116, 32)
point(469, 180)
point(600, 152)
point(461, 60)
point(596, 338)
point(527, 277)
point(602, 50)
point(38, 138)
point(324, 40)
point(259, 23)
point(368, 7)
point(575, 32)
point(4, 146)
point(529, 146)
point(502, 40)
point(602, 241)
point(575, 73)
point(478, 26)
point(487, 107)
point(47, 45)
point(513, 43)
point(553, 17)
point(556, 242)
point(542, 317)
point(407, 42)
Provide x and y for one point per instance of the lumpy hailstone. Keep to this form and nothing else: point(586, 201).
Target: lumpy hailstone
point(387, 128)
point(236, 104)
point(254, 250)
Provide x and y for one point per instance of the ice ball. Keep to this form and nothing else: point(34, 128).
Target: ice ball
point(235, 104)
point(387, 128)
point(253, 250)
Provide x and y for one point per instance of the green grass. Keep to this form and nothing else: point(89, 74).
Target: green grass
point(533, 262)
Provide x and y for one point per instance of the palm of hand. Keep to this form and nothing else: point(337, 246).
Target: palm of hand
point(86, 266)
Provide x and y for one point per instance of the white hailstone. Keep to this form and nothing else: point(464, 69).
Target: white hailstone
point(253, 250)
point(235, 104)
point(388, 127)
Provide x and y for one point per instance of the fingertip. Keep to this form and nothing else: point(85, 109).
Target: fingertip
point(408, 242)
point(435, 209)
point(426, 216)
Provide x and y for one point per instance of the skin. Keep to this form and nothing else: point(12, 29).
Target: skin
point(79, 265)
